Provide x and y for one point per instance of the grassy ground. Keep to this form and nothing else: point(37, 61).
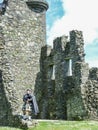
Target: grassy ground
point(61, 125)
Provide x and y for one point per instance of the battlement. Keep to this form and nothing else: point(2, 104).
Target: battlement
point(67, 80)
point(64, 85)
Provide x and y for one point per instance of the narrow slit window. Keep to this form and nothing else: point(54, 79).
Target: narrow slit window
point(68, 64)
point(70, 67)
point(53, 73)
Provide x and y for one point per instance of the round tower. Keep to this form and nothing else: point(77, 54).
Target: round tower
point(23, 32)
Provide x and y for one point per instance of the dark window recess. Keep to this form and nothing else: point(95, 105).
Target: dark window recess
point(3, 6)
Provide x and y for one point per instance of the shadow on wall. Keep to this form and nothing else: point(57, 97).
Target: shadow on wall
point(6, 117)
point(41, 86)
point(45, 89)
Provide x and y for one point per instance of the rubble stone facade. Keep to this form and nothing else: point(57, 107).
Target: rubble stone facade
point(69, 88)
point(64, 85)
point(22, 35)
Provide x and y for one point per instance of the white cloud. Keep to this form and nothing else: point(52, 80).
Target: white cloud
point(92, 63)
point(79, 14)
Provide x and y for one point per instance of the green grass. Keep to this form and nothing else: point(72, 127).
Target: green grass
point(61, 125)
point(8, 128)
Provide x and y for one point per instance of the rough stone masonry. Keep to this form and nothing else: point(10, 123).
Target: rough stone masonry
point(70, 87)
point(22, 35)
point(64, 85)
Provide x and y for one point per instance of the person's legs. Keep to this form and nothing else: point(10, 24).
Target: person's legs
point(32, 111)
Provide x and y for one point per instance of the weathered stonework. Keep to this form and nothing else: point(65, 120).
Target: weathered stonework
point(22, 35)
point(73, 92)
point(64, 85)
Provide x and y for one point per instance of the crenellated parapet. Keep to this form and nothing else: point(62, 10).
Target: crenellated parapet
point(64, 85)
point(70, 84)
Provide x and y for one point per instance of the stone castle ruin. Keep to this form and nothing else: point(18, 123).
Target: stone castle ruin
point(65, 86)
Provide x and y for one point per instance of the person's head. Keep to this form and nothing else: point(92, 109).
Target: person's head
point(28, 91)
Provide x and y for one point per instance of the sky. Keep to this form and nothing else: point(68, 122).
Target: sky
point(66, 15)
point(1, 1)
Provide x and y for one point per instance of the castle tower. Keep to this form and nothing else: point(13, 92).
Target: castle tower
point(80, 73)
point(22, 35)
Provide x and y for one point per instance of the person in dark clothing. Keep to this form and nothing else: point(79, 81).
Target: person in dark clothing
point(30, 104)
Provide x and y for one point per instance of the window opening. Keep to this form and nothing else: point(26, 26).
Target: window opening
point(53, 72)
point(68, 64)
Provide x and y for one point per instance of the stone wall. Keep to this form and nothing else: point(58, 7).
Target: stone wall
point(70, 87)
point(22, 35)
point(91, 94)
point(64, 85)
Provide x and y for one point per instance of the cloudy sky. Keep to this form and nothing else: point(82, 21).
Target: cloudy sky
point(66, 15)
